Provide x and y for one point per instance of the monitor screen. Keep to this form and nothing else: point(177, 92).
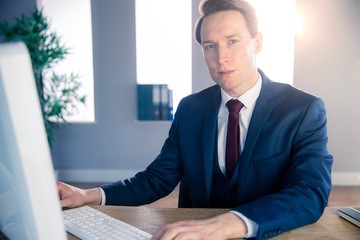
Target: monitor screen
point(29, 203)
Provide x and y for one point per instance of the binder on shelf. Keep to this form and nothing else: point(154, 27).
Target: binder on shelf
point(148, 98)
point(170, 107)
point(164, 102)
point(154, 102)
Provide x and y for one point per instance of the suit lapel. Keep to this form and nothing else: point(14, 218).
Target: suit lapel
point(262, 110)
point(210, 136)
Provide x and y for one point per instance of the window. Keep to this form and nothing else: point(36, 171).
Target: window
point(163, 44)
point(278, 25)
point(76, 33)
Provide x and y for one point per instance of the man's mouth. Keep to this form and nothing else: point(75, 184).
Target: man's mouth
point(226, 72)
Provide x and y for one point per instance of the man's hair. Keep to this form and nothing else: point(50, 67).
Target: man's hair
point(208, 7)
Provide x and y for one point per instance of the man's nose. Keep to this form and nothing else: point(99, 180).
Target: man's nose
point(223, 55)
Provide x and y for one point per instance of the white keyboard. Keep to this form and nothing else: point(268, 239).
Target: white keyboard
point(88, 223)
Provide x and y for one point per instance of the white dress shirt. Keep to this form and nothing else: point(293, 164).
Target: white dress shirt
point(249, 100)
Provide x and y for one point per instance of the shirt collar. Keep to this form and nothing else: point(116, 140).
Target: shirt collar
point(248, 98)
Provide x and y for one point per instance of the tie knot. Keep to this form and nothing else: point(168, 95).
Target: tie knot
point(234, 105)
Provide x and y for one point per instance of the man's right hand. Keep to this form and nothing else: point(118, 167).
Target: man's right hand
point(71, 196)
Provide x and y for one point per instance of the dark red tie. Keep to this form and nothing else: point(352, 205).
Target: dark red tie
point(233, 136)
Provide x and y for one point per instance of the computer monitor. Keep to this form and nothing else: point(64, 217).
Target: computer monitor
point(29, 202)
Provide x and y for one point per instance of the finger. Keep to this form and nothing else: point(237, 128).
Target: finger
point(65, 203)
point(168, 231)
point(180, 230)
point(66, 195)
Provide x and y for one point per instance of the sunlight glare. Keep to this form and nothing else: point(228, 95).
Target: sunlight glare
point(299, 24)
point(277, 26)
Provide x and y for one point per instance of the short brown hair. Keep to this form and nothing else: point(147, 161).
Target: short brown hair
point(208, 7)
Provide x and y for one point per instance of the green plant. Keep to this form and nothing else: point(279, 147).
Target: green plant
point(58, 93)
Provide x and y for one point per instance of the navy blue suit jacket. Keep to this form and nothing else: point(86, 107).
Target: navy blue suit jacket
point(284, 170)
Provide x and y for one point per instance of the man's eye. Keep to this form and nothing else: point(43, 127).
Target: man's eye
point(233, 41)
point(210, 46)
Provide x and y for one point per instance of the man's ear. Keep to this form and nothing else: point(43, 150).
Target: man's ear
point(258, 42)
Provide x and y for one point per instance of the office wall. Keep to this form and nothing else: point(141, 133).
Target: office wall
point(115, 146)
point(9, 9)
point(327, 63)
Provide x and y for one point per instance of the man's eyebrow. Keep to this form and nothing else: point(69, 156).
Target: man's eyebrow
point(233, 35)
point(207, 42)
point(227, 37)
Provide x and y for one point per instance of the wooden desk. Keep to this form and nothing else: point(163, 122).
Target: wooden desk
point(330, 226)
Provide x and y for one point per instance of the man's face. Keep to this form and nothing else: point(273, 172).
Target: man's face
point(230, 51)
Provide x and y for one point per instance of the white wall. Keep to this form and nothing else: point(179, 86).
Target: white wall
point(327, 64)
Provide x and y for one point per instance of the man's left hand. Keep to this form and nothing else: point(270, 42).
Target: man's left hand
point(224, 226)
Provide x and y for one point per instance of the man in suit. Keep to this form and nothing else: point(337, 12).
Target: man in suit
point(282, 177)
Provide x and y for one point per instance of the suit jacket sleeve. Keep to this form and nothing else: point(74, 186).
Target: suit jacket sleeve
point(157, 181)
point(304, 190)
